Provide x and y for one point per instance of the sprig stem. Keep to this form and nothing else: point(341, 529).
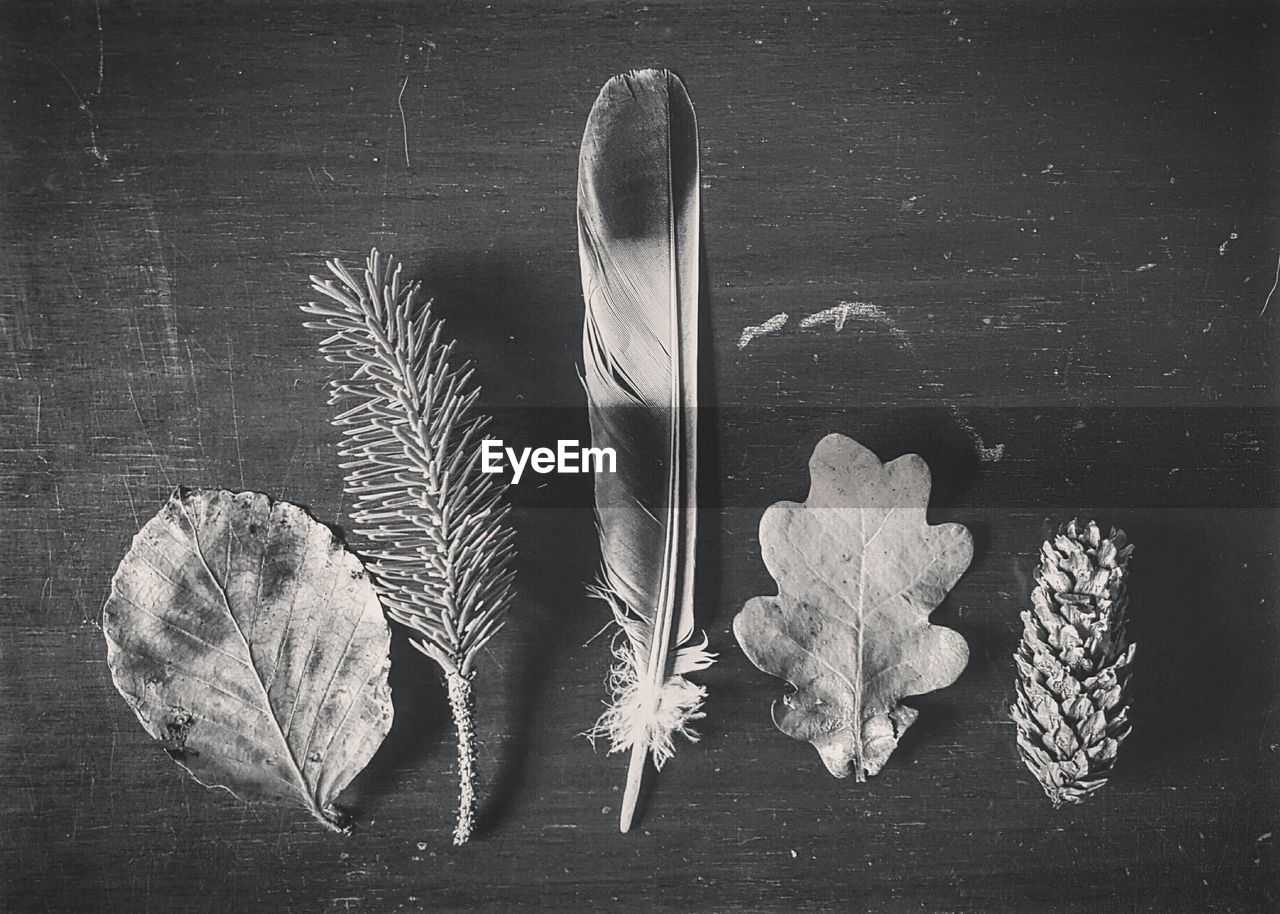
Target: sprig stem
point(462, 700)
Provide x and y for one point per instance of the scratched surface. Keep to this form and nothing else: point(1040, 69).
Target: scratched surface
point(1033, 242)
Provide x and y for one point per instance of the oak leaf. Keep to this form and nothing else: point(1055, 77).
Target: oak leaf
point(859, 570)
point(249, 641)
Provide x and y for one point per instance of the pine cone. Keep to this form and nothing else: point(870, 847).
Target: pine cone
point(1073, 663)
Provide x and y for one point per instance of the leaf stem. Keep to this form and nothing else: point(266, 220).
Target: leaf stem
point(331, 818)
point(462, 701)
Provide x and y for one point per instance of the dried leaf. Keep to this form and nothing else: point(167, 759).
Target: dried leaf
point(249, 641)
point(859, 570)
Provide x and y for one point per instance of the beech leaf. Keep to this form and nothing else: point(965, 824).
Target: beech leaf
point(250, 643)
point(859, 570)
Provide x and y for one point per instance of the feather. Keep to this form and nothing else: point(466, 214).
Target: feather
point(638, 245)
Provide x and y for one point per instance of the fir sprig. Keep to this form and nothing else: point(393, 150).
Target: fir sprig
point(440, 549)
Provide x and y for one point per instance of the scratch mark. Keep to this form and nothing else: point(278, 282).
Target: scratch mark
point(772, 325)
point(1273, 290)
point(102, 246)
point(293, 456)
point(151, 441)
point(325, 172)
point(76, 283)
point(235, 419)
point(97, 7)
point(39, 398)
point(207, 354)
point(1145, 267)
point(157, 288)
point(386, 164)
point(132, 507)
point(15, 326)
point(142, 347)
point(83, 107)
point(985, 454)
point(841, 312)
point(1111, 282)
point(404, 127)
point(195, 396)
point(837, 315)
point(844, 311)
point(244, 277)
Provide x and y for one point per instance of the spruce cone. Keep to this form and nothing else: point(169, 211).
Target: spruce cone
point(1073, 663)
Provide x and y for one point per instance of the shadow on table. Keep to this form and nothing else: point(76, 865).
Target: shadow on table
point(1202, 664)
point(419, 732)
point(521, 325)
point(517, 317)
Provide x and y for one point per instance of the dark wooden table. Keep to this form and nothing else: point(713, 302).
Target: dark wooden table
point(1060, 224)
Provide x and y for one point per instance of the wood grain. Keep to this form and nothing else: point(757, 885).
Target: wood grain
point(1059, 223)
